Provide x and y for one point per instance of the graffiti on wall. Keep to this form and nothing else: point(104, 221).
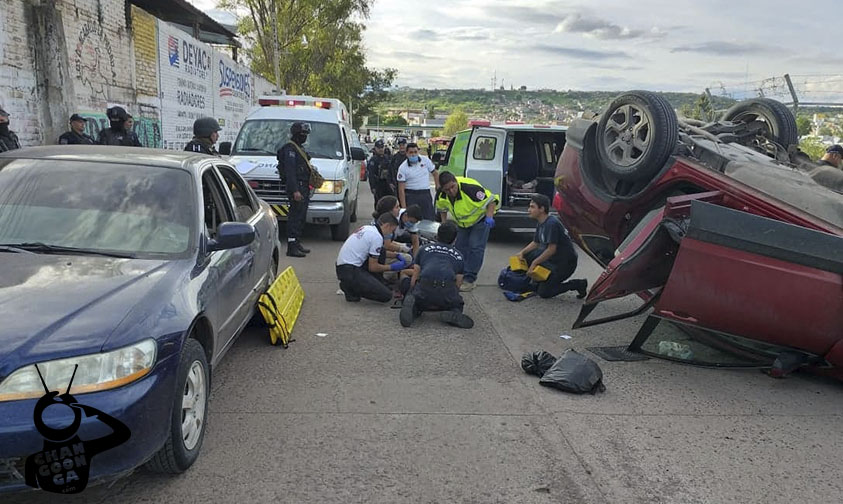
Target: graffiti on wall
point(95, 59)
point(147, 129)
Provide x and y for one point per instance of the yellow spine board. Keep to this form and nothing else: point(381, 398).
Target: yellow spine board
point(280, 306)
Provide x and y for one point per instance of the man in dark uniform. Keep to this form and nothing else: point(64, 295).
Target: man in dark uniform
point(553, 249)
point(116, 133)
point(8, 139)
point(76, 135)
point(205, 135)
point(378, 168)
point(395, 162)
point(437, 275)
point(294, 169)
point(134, 141)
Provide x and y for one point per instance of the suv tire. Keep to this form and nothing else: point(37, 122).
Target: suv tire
point(781, 124)
point(636, 135)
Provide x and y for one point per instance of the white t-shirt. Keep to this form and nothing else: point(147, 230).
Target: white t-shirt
point(366, 241)
point(417, 176)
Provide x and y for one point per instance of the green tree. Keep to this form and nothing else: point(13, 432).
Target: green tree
point(803, 125)
point(701, 110)
point(394, 121)
point(431, 112)
point(456, 122)
point(812, 147)
point(317, 45)
point(825, 130)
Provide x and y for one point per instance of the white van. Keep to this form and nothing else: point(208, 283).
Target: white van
point(513, 160)
point(267, 129)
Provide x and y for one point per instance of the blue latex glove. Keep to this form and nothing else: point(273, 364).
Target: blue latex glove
point(490, 221)
point(398, 265)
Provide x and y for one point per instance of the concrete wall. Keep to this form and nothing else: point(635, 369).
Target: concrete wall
point(58, 57)
point(18, 83)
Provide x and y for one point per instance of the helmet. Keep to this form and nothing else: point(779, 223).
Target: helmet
point(204, 127)
point(299, 127)
point(117, 114)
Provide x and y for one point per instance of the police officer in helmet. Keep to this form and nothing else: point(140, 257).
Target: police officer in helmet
point(116, 133)
point(205, 135)
point(8, 138)
point(295, 169)
point(76, 135)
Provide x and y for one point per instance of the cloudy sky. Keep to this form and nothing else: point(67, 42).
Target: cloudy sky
point(606, 45)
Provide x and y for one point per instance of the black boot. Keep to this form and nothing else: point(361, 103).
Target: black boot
point(582, 288)
point(301, 247)
point(456, 319)
point(408, 311)
point(293, 250)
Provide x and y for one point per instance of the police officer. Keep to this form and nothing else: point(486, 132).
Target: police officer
point(378, 168)
point(473, 208)
point(205, 135)
point(294, 168)
point(76, 135)
point(115, 134)
point(8, 138)
point(552, 248)
point(134, 141)
point(436, 278)
point(395, 162)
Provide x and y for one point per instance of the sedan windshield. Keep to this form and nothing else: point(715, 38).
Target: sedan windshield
point(57, 206)
point(266, 136)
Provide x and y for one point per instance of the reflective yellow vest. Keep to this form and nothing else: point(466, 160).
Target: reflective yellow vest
point(469, 207)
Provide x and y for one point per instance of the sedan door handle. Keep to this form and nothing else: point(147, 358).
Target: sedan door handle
point(684, 317)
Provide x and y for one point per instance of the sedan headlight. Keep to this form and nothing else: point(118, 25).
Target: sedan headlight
point(331, 187)
point(96, 372)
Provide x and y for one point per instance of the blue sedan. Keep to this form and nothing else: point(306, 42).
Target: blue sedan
point(129, 273)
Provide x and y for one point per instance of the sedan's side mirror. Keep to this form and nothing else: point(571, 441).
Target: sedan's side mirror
point(358, 154)
point(438, 157)
point(231, 235)
point(225, 148)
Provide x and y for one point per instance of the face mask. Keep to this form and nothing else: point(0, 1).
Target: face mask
point(300, 138)
point(390, 236)
point(413, 159)
point(4, 128)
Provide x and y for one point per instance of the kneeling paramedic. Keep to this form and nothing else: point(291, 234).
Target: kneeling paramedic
point(551, 248)
point(473, 208)
point(436, 277)
point(359, 262)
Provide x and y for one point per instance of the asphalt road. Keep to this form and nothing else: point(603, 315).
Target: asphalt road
point(375, 413)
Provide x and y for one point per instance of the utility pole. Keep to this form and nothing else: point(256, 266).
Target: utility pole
point(276, 49)
point(792, 93)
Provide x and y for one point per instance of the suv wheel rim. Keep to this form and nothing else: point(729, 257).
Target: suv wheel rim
point(193, 406)
point(627, 136)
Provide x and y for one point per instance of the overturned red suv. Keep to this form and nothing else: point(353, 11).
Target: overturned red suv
point(724, 229)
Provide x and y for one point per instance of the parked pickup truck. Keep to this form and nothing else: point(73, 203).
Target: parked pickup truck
point(515, 161)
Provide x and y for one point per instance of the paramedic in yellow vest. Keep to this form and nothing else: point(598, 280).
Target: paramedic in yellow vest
point(473, 208)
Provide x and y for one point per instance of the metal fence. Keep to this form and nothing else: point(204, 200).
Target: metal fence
point(804, 90)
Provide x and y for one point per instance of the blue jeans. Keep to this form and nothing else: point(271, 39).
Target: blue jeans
point(471, 242)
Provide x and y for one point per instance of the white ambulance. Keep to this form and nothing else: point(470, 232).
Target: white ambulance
point(267, 129)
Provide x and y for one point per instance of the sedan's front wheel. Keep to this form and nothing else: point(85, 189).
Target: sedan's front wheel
point(188, 419)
